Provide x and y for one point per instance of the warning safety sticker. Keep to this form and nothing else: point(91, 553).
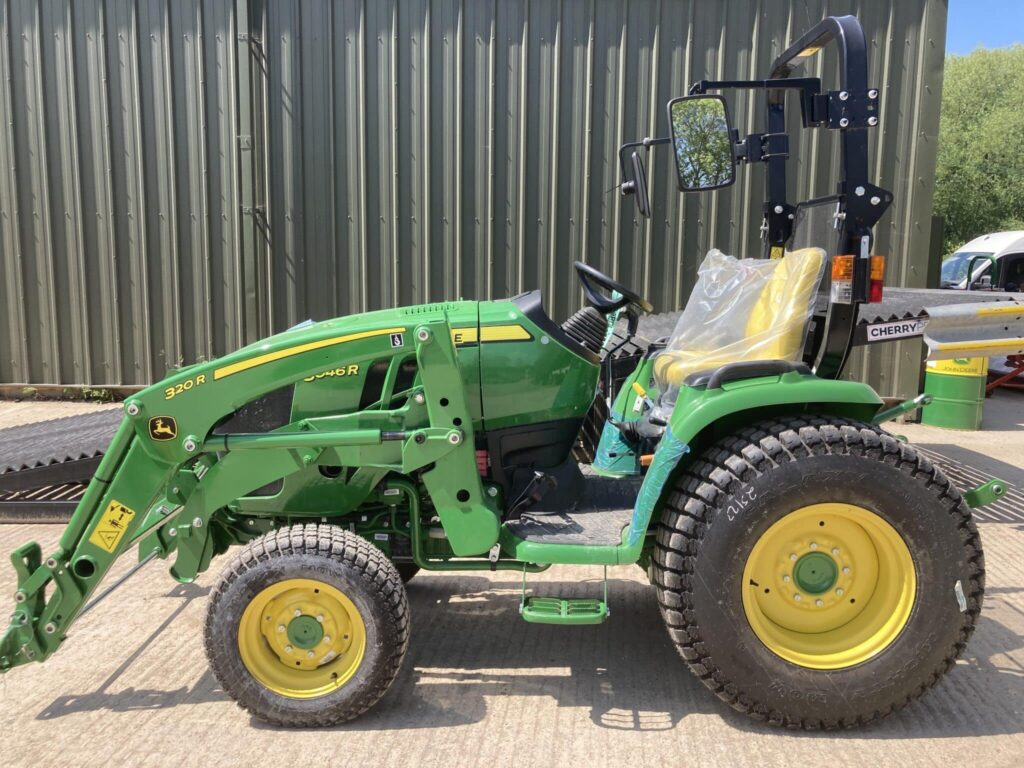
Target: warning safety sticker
point(112, 525)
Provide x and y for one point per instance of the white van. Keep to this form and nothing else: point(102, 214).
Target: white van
point(1004, 250)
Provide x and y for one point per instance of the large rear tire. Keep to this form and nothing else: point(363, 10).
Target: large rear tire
point(817, 573)
point(307, 626)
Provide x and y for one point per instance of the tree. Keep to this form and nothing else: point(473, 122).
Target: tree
point(979, 185)
point(703, 146)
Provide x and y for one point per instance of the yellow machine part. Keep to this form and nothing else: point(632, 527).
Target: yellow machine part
point(302, 638)
point(829, 586)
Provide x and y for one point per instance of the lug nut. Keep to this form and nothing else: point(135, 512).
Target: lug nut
point(839, 592)
point(846, 570)
point(814, 545)
point(309, 655)
point(280, 628)
point(288, 649)
point(835, 550)
point(297, 613)
point(792, 557)
point(320, 618)
point(786, 578)
point(327, 639)
point(819, 603)
point(797, 597)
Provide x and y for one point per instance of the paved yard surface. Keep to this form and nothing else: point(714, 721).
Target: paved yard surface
point(480, 687)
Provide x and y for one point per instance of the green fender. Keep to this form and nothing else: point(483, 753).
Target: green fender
point(699, 416)
point(732, 406)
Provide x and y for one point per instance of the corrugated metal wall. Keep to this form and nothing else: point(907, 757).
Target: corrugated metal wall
point(178, 178)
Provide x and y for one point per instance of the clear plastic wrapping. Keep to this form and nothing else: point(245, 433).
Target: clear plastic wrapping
point(739, 310)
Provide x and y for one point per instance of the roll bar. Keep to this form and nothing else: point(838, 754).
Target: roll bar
point(852, 110)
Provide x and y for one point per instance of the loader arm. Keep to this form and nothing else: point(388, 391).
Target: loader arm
point(166, 473)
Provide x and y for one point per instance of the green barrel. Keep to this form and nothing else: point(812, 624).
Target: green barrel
point(957, 388)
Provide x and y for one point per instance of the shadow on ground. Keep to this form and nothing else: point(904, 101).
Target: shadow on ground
point(469, 647)
point(129, 699)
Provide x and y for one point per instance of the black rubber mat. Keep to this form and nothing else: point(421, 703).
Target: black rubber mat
point(598, 519)
point(57, 441)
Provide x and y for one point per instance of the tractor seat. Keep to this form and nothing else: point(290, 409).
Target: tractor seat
point(741, 311)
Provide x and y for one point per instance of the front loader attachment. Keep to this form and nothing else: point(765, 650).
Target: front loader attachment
point(107, 521)
point(169, 482)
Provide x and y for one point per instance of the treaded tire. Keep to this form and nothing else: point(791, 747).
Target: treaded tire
point(707, 533)
point(332, 555)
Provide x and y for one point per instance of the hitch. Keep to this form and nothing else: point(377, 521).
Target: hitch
point(985, 494)
point(905, 407)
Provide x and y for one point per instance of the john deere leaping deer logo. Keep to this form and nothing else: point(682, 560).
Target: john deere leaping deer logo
point(163, 428)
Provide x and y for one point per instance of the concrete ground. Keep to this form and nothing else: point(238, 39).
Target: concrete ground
point(131, 686)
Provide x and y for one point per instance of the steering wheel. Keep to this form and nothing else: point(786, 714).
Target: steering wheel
point(589, 277)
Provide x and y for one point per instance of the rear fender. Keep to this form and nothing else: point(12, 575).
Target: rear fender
point(702, 414)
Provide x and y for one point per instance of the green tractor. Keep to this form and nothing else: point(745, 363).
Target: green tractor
point(811, 569)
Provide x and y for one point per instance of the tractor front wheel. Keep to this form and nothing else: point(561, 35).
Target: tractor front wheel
point(307, 626)
point(817, 573)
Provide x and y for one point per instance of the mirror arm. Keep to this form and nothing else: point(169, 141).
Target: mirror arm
point(761, 147)
point(629, 183)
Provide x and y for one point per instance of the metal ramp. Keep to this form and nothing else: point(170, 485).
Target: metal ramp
point(46, 466)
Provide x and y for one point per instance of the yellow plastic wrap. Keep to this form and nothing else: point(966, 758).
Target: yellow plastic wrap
point(740, 310)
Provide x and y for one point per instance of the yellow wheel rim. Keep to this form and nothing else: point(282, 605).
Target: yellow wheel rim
point(829, 586)
point(301, 638)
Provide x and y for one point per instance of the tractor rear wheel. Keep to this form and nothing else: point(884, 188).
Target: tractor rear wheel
point(816, 572)
point(307, 626)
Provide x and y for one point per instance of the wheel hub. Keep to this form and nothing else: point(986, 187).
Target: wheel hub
point(815, 573)
point(301, 638)
point(305, 631)
point(828, 586)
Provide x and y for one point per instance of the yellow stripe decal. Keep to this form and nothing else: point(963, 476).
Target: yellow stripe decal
point(1013, 309)
point(958, 345)
point(464, 336)
point(504, 333)
point(490, 333)
point(253, 362)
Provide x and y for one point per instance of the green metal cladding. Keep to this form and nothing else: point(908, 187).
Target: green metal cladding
point(179, 178)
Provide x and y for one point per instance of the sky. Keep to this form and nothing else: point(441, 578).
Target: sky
point(988, 23)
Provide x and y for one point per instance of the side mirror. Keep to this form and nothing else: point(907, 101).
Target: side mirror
point(983, 283)
point(643, 202)
point(702, 142)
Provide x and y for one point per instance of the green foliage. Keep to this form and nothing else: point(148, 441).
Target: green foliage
point(980, 177)
point(702, 143)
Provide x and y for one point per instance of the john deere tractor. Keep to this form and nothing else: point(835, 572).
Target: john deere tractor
point(811, 569)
